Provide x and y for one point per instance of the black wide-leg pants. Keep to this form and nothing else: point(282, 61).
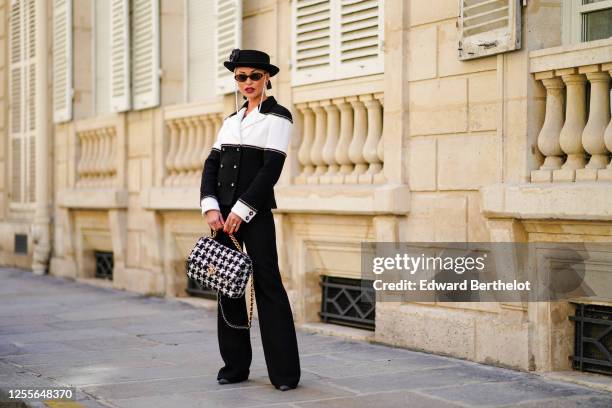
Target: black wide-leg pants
point(274, 311)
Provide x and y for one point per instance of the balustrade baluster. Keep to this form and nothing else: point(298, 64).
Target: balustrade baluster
point(548, 138)
point(308, 130)
point(593, 134)
point(370, 153)
point(346, 133)
point(331, 140)
point(570, 137)
point(360, 128)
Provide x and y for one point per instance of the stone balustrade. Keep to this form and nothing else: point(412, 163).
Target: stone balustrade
point(188, 139)
point(576, 136)
point(97, 158)
point(341, 140)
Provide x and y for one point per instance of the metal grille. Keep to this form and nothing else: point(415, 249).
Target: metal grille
point(593, 339)
point(21, 244)
point(345, 301)
point(194, 289)
point(104, 265)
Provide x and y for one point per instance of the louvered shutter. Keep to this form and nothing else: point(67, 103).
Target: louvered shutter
point(360, 38)
point(62, 60)
point(102, 53)
point(488, 27)
point(312, 41)
point(22, 101)
point(29, 138)
point(120, 55)
point(228, 35)
point(145, 53)
point(200, 50)
point(17, 98)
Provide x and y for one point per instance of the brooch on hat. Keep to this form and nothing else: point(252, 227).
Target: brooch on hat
point(234, 55)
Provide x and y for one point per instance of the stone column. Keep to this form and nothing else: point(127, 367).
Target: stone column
point(42, 220)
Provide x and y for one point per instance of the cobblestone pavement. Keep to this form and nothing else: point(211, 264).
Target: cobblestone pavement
point(122, 349)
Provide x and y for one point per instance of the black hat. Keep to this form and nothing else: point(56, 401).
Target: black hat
point(250, 58)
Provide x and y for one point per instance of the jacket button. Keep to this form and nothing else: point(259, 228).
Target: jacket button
point(250, 212)
point(237, 149)
point(222, 165)
point(247, 217)
point(218, 183)
point(235, 165)
point(223, 148)
point(232, 184)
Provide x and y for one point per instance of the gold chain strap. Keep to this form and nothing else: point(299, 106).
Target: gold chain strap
point(235, 241)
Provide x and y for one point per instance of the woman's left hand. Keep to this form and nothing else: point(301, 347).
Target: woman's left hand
point(232, 223)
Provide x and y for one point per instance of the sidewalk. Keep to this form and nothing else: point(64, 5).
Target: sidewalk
point(121, 349)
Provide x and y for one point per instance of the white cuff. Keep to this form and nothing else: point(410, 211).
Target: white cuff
point(209, 203)
point(244, 211)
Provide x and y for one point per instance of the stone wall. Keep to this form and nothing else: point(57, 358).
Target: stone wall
point(434, 149)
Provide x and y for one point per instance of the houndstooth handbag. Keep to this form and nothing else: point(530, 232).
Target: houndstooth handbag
point(223, 269)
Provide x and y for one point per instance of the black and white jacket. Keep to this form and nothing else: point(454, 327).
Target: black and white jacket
point(246, 160)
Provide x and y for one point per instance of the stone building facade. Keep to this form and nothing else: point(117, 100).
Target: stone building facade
point(414, 121)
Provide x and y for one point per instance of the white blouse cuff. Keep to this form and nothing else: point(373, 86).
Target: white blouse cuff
point(209, 203)
point(244, 211)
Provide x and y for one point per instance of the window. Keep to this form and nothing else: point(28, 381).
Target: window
point(200, 53)
point(134, 54)
point(586, 20)
point(213, 29)
point(228, 35)
point(22, 103)
point(124, 55)
point(336, 39)
point(488, 27)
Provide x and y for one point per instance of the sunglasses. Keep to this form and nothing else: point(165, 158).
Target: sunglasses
point(255, 76)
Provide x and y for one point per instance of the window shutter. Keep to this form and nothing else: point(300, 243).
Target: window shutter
point(312, 41)
point(228, 35)
point(360, 32)
point(488, 27)
point(29, 138)
point(102, 53)
point(200, 54)
point(145, 53)
point(62, 60)
point(22, 101)
point(16, 171)
point(17, 98)
point(120, 55)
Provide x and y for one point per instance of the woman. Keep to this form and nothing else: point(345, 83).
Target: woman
point(236, 196)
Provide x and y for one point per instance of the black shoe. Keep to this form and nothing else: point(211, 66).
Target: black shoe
point(222, 380)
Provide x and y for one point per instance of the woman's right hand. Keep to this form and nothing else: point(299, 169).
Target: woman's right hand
point(215, 219)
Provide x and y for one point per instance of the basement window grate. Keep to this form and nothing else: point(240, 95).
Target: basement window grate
point(347, 302)
point(104, 264)
point(21, 244)
point(195, 289)
point(593, 339)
